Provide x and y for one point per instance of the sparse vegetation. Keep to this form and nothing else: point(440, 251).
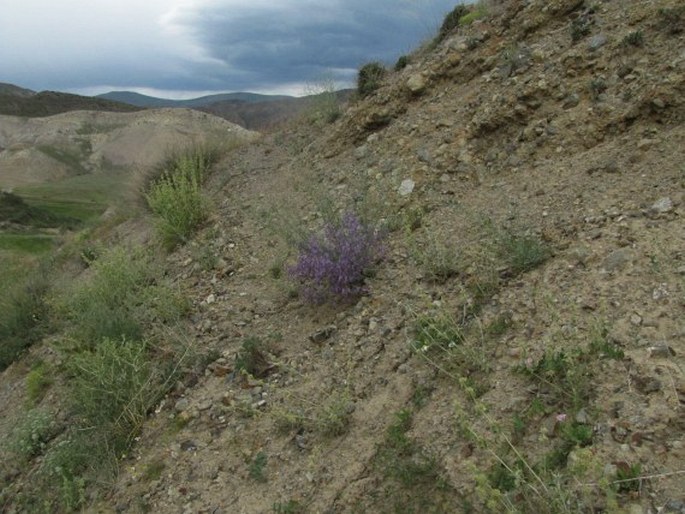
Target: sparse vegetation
point(256, 468)
point(176, 196)
point(635, 38)
point(369, 78)
point(23, 313)
point(451, 21)
point(402, 62)
point(37, 382)
point(521, 251)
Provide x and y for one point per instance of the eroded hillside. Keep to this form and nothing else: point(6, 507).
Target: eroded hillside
point(519, 345)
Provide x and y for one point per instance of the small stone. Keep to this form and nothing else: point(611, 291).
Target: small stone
point(636, 319)
point(582, 417)
point(658, 103)
point(661, 351)
point(210, 299)
point(322, 335)
point(597, 42)
point(662, 205)
point(361, 152)
point(181, 405)
point(571, 101)
point(406, 187)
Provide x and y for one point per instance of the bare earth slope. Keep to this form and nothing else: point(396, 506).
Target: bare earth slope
point(562, 388)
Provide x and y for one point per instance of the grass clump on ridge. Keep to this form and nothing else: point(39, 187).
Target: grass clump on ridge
point(369, 78)
point(176, 198)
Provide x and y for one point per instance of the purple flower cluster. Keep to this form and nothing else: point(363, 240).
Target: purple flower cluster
point(331, 265)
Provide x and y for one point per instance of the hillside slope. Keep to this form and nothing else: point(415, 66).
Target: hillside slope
point(15, 101)
point(37, 150)
point(520, 345)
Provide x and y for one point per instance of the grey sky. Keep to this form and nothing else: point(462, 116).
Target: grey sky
point(185, 48)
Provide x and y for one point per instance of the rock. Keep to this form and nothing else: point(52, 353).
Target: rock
point(406, 187)
point(597, 42)
point(674, 507)
point(210, 299)
point(571, 101)
point(618, 260)
point(662, 205)
point(322, 335)
point(582, 417)
point(416, 84)
point(182, 405)
point(636, 319)
point(661, 351)
point(361, 152)
point(188, 446)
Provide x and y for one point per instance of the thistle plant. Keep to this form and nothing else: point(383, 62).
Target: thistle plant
point(332, 265)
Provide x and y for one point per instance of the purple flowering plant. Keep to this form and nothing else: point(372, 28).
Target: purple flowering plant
point(331, 265)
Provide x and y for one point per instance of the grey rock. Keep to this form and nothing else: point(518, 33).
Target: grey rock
point(571, 101)
point(182, 405)
point(661, 351)
point(361, 152)
point(406, 187)
point(597, 42)
point(322, 335)
point(662, 205)
point(618, 260)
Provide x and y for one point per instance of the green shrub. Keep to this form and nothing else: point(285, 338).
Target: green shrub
point(451, 21)
point(522, 252)
point(37, 382)
point(23, 310)
point(107, 304)
point(369, 78)
point(477, 13)
point(401, 63)
point(112, 388)
point(635, 38)
point(28, 439)
point(176, 197)
point(252, 358)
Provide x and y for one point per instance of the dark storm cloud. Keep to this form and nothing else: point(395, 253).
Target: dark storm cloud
point(296, 42)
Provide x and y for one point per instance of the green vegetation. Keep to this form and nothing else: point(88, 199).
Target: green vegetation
point(635, 38)
point(451, 21)
point(289, 507)
point(176, 196)
point(252, 358)
point(23, 311)
point(412, 478)
point(478, 11)
point(256, 468)
point(30, 436)
point(521, 251)
point(369, 78)
point(83, 197)
point(330, 418)
point(401, 63)
point(38, 381)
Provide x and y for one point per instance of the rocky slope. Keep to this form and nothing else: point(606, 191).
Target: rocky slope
point(463, 381)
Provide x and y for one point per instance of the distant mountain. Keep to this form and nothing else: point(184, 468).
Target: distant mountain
point(139, 100)
point(265, 115)
point(17, 101)
point(11, 89)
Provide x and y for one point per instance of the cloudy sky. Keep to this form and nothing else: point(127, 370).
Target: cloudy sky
point(187, 48)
